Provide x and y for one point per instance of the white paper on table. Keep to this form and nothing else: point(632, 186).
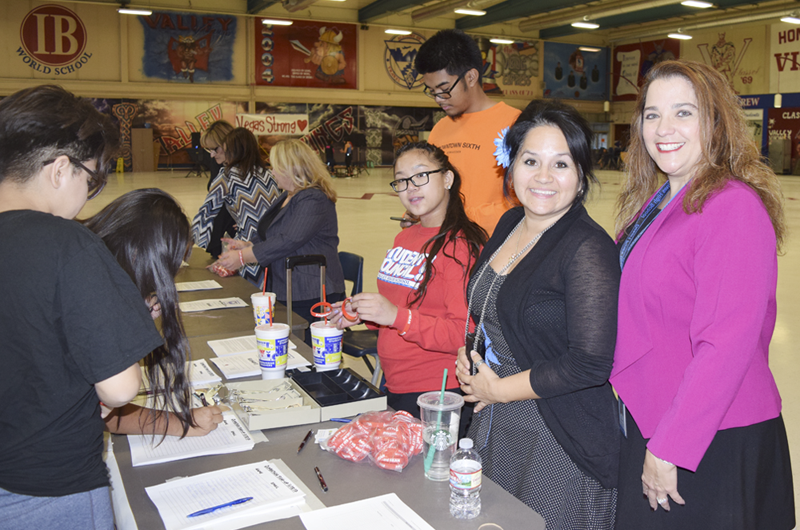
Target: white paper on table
point(236, 366)
point(211, 303)
point(270, 488)
point(204, 285)
point(386, 512)
point(201, 374)
point(230, 436)
point(237, 345)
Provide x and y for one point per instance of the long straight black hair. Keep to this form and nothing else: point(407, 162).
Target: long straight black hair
point(149, 235)
point(456, 225)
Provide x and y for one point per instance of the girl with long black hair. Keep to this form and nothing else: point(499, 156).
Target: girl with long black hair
point(421, 307)
point(148, 234)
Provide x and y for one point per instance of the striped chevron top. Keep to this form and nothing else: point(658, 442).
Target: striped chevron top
point(246, 198)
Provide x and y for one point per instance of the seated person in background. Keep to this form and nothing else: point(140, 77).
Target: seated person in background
point(302, 221)
point(421, 311)
point(149, 235)
point(72, 323)
point(212, 141)
point(245, 188)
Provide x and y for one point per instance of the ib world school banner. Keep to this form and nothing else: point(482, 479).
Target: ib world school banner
point(570, 73)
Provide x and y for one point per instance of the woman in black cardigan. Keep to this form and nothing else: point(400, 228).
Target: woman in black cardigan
point(543, 299)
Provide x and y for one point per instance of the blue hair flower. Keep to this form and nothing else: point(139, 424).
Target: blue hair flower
point(503, 152)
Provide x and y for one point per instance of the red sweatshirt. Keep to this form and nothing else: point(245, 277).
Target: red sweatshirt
point(415, 361)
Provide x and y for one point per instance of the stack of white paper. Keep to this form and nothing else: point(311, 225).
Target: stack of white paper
point(205, 305)
point(203, 285)
point(238, 357)
point(201, 374)
point(271, 491)
point(229, 437)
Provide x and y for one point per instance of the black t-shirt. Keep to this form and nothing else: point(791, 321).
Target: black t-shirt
point(70, 317)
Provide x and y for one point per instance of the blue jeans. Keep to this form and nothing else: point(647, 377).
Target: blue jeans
point(88, 510)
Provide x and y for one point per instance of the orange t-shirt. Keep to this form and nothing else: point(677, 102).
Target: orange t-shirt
point(469, 144)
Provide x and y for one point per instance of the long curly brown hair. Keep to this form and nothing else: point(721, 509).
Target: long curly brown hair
point(729, 151)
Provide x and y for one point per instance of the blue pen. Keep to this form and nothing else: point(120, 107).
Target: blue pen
point(340, 420)
point(219, 507)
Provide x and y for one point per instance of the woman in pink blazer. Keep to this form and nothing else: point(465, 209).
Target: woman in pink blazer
point(704, 438)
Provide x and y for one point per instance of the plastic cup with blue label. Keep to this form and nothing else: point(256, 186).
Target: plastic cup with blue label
point(326, 341)
point(261, 307)
point(273, 350)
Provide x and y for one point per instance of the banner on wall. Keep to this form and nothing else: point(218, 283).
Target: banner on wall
point(307, 54)
point(633, 61)
point(274, 124)
point(736, 54)
point(376, 132)
point(188, 47)
point(570, 73)
point(399, 55)
point(511, 69)
point(784, 66)
point(53, 40)
point(784, 124)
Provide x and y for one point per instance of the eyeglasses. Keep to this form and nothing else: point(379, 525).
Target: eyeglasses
point(420, 179)
point(97, 181)
point(443, 94)
point(212, 151)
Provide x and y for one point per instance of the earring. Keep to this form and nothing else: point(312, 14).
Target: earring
point(447, 187)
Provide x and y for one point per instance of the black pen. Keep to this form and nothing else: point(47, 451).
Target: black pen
point(303, 443)
point(321, 480)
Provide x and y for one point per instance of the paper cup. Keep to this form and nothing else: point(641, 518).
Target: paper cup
point(260, 303)
point(273, 350)
point(326, 341)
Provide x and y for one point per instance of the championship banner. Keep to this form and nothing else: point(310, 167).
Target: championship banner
point(784, 58)
point(735, 53)
point(306, 54)
point(274, 124)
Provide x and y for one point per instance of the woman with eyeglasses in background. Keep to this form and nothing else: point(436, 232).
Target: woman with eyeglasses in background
point(420, 309)
point(244, 187)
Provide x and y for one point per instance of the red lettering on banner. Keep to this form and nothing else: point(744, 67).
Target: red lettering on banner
point(215, 112)
point(150, 21)
point(166, 22)
point(781, 59)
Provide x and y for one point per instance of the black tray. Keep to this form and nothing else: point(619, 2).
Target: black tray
point(335, 387)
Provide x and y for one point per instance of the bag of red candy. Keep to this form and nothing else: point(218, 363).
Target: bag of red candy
point(388, 439)
point(221, 271)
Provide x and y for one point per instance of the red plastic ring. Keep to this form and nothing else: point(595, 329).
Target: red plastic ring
point(321, 314)
point(345, 314)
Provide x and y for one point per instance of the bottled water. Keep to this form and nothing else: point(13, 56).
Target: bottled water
point(465, 481)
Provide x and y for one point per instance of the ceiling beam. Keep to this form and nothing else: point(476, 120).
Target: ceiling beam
point(636, 17)
point(381, 8)
point(254, 6)
point(511, 9)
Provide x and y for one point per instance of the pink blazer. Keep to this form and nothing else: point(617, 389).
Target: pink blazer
point(696, 315)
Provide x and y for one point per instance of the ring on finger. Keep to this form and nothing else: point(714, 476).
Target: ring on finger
point(479, 363)
point(661, 501)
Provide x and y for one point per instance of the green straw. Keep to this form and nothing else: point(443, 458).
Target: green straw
point(432, 448)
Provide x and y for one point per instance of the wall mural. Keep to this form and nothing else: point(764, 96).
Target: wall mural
point(188, 47)
point(173, 123)
point(734, 54)
point(633, 61)
point(570, 73)
point(307, 54)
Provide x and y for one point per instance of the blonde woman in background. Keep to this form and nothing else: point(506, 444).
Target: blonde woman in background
point(301, 221)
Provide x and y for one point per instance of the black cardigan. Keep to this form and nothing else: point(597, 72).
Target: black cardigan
point(558, 314)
